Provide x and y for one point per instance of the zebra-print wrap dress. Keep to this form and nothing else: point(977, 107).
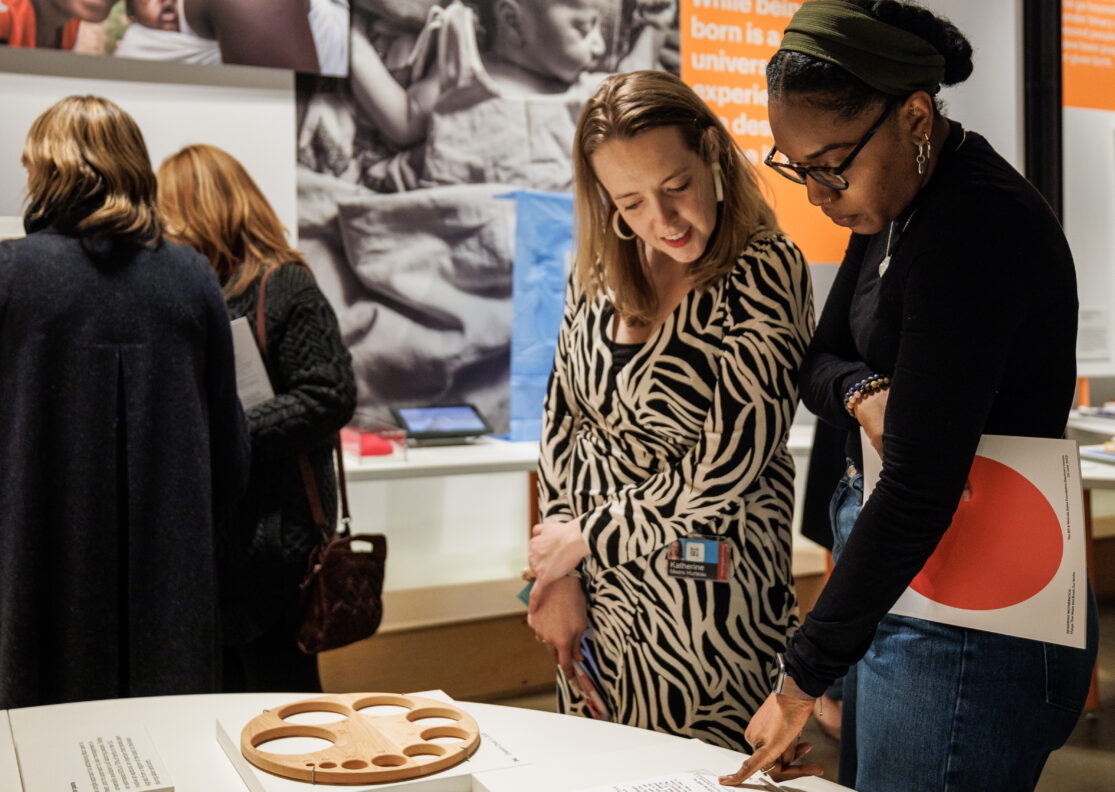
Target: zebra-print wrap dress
point(687, 439)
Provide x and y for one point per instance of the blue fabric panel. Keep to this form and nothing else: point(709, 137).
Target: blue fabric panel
point(543, 245)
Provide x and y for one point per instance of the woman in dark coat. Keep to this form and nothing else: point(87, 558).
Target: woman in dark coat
point(121, 436)
point(211, 203)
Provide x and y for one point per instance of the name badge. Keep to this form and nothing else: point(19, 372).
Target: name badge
point(699, 559)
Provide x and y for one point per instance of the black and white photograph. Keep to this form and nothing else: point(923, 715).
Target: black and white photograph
point(405, 171)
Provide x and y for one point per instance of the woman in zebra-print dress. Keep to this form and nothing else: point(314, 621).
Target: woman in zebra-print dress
point(666, 420)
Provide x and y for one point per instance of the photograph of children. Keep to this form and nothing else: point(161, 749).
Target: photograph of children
point(306, 35)
point(50, 24)
point(405, 169)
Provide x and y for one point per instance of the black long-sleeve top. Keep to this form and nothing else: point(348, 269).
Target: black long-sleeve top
point(975, 322)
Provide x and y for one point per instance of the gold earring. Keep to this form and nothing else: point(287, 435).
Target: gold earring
point(615, 227)
point(718, 182)
point(925, 150)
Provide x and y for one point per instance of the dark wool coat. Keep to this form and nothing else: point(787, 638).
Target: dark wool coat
point(120, 437)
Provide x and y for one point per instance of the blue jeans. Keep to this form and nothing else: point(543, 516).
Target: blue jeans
point(943, 708)
point(843, 511)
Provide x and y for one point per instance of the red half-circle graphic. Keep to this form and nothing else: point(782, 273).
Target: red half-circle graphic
point(1003, 546)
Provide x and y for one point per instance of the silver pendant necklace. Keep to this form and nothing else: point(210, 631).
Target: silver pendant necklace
point(885, 263)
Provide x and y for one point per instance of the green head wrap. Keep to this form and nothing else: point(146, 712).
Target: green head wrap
point(887, 58)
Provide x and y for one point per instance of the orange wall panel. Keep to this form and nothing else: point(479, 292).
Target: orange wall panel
point(725, 45)
point(1088, 53)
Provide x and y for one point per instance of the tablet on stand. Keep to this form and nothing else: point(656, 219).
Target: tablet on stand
point(449, 424)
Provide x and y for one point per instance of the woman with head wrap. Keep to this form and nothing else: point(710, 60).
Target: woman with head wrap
point(953, 315)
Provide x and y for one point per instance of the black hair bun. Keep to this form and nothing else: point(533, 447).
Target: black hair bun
point(938, 31)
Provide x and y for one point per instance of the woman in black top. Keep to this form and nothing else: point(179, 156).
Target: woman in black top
point(953, 315)
point(210, 202)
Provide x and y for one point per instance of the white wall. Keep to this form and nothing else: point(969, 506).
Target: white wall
point(442, 531)
point(1089, 137)
point(249, 112)
point(991, 101)
point(447, 530)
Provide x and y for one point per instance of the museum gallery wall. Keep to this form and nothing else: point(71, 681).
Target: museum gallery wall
point(433, 184)
point(413, 176)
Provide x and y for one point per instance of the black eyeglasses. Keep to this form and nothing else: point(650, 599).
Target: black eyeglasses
point(833, 178)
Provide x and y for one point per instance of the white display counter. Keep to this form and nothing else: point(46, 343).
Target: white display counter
point(458, 518)
point(484, 455)
point(547, 752)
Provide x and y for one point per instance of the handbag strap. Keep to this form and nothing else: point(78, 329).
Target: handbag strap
point(309, 481)
point(261, 314)
point(342, 486)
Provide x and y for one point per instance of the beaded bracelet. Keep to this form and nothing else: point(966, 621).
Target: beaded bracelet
point(868, 386)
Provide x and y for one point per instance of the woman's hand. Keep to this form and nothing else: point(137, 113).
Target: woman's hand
point(327, 135)
point(559, 619)
point(555, 551)
point(773, 733)
point(870, 413)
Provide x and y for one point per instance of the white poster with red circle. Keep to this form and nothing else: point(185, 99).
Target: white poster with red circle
point(1013, 559)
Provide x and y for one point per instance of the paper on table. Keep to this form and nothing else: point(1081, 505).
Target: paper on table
point(1013, 559)
point(1097, 453)
point(252, 383)
point(693, 781)
point(86, 754)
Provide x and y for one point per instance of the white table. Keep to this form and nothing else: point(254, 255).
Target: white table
point(455, 516)
point(1093, 424)
point(458, 518)
point(1093, 475)
point(483, 489)
point(9, 767)
point(483, 455)
point(556, 753)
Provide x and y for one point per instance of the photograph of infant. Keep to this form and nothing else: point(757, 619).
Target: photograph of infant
point(405, 171)
point(306, 35)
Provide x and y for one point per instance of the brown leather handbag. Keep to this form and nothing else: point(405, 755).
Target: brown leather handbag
point(342, 594)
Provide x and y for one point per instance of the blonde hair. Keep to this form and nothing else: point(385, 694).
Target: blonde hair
point(89, 172)
point(210, 203)
point(625, 106)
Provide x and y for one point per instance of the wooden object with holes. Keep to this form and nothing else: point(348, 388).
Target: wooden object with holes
point(366, 748)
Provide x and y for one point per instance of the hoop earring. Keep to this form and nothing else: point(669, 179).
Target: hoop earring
point(925, 150)
point(615, 227)
point(718, 182)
